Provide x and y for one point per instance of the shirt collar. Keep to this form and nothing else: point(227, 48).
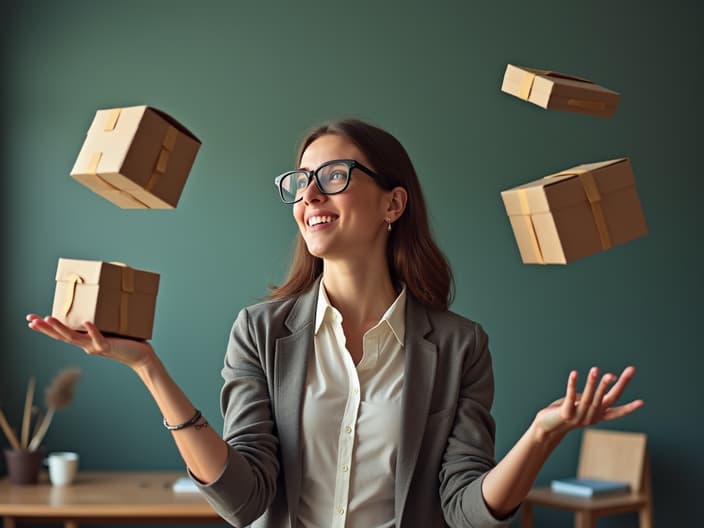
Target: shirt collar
point(395, 315)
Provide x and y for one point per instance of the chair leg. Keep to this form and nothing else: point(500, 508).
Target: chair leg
point(584, 519)
point(527, 516)
point(645, 516)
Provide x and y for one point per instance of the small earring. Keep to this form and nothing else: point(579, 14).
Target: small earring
point(388, 225)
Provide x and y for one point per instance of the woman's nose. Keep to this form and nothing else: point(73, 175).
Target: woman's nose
point(312, 193)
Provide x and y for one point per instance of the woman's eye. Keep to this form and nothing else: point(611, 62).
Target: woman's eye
point(338, 175)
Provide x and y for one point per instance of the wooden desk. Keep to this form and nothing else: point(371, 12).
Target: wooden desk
point(105, 497)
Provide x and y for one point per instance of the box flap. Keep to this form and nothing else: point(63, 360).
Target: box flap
point(173, 122)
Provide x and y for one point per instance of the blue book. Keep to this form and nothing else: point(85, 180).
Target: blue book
point(582, 487)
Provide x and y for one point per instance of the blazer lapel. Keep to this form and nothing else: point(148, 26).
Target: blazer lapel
point(293, 352)
point(418, 381)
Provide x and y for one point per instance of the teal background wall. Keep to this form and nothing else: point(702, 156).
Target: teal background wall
point(249, 78)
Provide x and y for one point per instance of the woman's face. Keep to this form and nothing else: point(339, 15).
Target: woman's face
point(346, 225)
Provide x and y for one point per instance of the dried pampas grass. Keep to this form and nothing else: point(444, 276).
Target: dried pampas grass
point(59, 394)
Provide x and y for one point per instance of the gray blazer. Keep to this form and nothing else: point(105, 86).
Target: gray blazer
point(447, 432)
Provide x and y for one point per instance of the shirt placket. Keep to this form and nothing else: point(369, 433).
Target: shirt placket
point(348, 427)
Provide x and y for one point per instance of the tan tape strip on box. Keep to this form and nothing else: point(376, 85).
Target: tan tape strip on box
point(525, 212)
point(92, 170)
point(126, 287)
point(72, 279)
point(591, 189)
point(167, 146)
point(111, 121)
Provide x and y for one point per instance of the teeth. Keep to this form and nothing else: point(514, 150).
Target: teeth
point(315, 220)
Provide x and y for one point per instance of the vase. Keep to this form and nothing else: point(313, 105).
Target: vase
point(23, 466)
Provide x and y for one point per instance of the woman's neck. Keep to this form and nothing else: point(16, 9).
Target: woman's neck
point(362, 293)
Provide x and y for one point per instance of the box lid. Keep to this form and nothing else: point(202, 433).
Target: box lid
point(565, 188)
point(110, 275)
point(538, 86)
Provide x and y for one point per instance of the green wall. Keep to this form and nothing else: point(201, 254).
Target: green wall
point(249, 78)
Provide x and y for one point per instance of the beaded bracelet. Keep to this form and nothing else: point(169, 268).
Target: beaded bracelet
point(183, 425)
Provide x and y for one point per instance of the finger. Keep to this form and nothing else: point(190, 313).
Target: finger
point(40, 325)
point(622, 410)
point(99, 341)
point(615, 393)
point(587, 394)
point(66, 333)
point(595, 408)
point(570, 396)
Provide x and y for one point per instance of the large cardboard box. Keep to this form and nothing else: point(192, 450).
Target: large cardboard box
point(558, 91)
point(116, 298)
point(575, 213)
point(136, 157)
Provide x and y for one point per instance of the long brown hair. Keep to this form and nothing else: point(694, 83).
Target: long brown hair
point(412, 254)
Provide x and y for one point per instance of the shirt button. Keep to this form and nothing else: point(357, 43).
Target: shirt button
point(355, 390)
point(348, 429)
point(345, 468)
point(341, 511)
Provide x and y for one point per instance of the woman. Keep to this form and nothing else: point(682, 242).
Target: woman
point(352, 396)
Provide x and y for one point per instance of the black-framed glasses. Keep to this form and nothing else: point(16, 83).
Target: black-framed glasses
point(332, 177)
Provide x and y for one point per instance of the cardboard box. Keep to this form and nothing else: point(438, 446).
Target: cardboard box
point(116, 298)
point(558, 91)
point(575, 213)
point(136, 157)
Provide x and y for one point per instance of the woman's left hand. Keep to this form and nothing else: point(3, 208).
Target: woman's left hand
point(596, 403)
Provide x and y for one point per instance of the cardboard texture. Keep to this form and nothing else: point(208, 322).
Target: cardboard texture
point(136, 157)
point(558, 91)
point(575, 213)
point(116, 298)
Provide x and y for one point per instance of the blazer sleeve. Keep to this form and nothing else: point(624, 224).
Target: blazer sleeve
point(469, 454)
point(247, 484)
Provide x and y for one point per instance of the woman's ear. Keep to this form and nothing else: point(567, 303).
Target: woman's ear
point(397, 203)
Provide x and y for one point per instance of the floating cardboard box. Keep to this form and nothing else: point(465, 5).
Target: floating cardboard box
point(558, 91)
point(117, 299)
point(136, 157)
point(575, 213)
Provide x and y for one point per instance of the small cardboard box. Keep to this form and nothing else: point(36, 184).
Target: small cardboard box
point(114, 297)
point(136, 157)
point(558, 91)
point(575, 213)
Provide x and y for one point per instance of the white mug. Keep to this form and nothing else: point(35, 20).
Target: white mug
point(63, 467)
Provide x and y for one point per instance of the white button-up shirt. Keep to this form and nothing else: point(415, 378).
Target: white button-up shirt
point(351, 422)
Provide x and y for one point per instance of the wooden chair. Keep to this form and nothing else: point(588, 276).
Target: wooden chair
point(608, 455)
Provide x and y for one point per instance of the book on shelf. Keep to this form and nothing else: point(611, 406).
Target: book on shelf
point(585, 487)
point(184, 485)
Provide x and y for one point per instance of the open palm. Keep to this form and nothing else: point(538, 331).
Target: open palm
point(596, 403)
point(131, 352)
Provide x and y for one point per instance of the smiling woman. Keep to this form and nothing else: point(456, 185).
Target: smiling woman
point(353, 396)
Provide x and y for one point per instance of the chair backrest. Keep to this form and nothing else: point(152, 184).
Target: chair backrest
point(614, 455)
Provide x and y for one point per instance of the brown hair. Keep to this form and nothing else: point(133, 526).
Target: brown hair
point(412, 254)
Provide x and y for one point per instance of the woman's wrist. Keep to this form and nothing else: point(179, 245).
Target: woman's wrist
point(149, 367)
point(546, 437)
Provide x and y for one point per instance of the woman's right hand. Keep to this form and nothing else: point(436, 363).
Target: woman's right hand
point(130, 352)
